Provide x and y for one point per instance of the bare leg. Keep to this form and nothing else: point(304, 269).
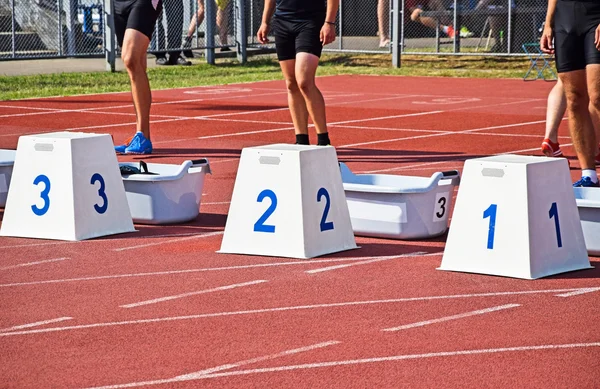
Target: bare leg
point(426, 21)
point(557, 105)
point(135, 45)
point(383, 14)
point(223, 25)
point(296, 101)
point(306, 69)
point(580, 121)
point(593, 78)
point(197, 19)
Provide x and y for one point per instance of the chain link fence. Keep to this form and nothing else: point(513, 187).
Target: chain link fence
point(188, 28)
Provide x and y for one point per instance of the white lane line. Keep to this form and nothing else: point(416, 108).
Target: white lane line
point(453, 317)
point(282, 309)
point(229, 366)
point(374, 259)
point(178, 296)
point(36, 324)
point(349, 362)
point(461, 161)
point(139, 246)
point(443, 134)
point(578, 292)
point(33, 263)
point(185, 271)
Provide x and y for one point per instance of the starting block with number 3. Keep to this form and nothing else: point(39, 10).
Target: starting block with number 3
point(515, 216)
point(288, 201)
point(66, 186)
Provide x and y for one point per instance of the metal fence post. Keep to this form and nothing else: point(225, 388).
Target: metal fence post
point(509, 28)
point(14, 43)
point(110, 47)
point(341, 26)
point(60, 29)
point(240, 29)
point(396, 27)
point(210, 12)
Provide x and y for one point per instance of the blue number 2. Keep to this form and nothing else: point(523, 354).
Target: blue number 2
point(100, 208)
point(44, 195)
point(325, 226)
point(491, 213)
point(260, 225)
point(553, 213)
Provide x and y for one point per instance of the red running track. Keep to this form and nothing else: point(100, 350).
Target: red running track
point(94, 313)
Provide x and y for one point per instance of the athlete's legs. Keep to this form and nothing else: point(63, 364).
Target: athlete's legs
point(135, 45)
point(296, 102)
point(306, 69)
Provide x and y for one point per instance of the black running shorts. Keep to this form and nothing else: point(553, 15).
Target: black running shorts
point(139, 15)
point(575, 24)
point(301, 36)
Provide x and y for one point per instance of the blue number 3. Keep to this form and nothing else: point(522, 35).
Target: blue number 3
point(100, 208)
point(44, 195)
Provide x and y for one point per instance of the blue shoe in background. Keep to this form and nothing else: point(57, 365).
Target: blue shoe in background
point(139, 145)
point(120, 149)
point(586, 182)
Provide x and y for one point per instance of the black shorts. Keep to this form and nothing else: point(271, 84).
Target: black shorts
point(575, 24)
point(139, 15)
point(292, 37)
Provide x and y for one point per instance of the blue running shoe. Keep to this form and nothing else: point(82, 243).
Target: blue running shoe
point(120, 149)
point(586, 182)
point(139, 145)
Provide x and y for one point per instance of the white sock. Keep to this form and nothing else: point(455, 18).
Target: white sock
point(591, 173)
point(445, 29)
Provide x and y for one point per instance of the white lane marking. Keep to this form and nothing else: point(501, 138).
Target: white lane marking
point(419, 165)
point(283, 309)
point(36, 324)
point(578, 292)
point(178, 296)
point(173, 272)
point(229, 366)
point(349, 362)
point(33, 263)
point(453, 317)
point(443, 134)
point(374, 259)
point(139, 246)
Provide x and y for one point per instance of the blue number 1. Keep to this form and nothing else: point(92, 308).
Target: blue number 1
point(553, 213)
point(44, 195)
point(491, 213)
point(260, 225)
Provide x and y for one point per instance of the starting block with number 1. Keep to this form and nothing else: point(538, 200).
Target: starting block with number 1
point(288, 201)
point(66, 186)
point(515, 216)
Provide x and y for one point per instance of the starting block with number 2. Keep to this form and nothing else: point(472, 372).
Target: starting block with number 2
point(66, 186)
point(288, 201)
point(515, 216)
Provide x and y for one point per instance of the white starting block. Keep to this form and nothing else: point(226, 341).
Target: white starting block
point(288, 201)
point(7, 160)
point(66, 186)
point(515, 216)
point(399, 207)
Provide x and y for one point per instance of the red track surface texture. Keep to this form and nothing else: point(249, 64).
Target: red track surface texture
point(90, 314)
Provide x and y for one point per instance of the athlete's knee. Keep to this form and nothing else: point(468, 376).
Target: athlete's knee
point(576, 97)
point(133, 63)
point(595, 100)
point(292, 85)
point(306, 85)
